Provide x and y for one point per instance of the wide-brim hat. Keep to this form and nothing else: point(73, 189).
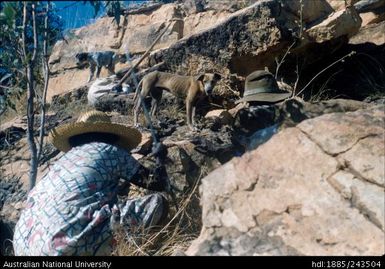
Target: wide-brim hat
point(94, 122)
point(261, 86)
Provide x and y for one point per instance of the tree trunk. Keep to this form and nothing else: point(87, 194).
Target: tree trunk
point(46, 80)
point(30, 124)
point(29, 63)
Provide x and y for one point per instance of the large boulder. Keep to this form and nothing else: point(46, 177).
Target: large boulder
point(200, 6)
point(373, 33)
point(250, 39)
point(247, 40)
point(345, 22)
point(368, 5)
point(339, 5)
point(254, 125)
point(314, 189)
point(312, 10)
point(194, 23)
point(94, 37)
point(371, 11)
point(142, 29)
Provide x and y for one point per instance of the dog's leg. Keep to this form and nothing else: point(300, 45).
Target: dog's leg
point(92, 71)
point(156, 95)
point(193, 115)
point(143, 93)
point(189, 111)
point(137, 90)
point(137, 103)
point(191, 101)
point(111, 69)
point(98, 69)
point(153, 107)
point(136, 111)
point(195, 105)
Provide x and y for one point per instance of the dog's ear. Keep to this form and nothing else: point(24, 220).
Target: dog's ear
point(201, 77)
point(123, 58)
point(81, 56)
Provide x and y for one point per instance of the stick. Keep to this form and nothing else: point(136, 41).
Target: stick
point(143, 56)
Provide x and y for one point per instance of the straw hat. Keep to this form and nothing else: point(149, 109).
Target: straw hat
point(261, 86)
point(94, 121)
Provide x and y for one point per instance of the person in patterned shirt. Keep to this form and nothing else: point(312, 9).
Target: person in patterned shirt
point(71, 209)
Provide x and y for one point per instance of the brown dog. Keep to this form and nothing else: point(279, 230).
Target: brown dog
point(190, 88)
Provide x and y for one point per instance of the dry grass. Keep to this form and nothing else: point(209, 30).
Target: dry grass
point(324, 93)
point(182, 226)
point(20, 103)
point(73, 109)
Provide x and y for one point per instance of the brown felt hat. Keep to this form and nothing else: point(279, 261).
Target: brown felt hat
point(261, 86)
point(91, 122)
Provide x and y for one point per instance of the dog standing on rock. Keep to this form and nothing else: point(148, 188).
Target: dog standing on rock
point(191, 88)
point(98, 59)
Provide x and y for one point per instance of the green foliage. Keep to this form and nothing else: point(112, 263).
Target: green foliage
point(8, 14)
point(113, 10)
point(11, 58)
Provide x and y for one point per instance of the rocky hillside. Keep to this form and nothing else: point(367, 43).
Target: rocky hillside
point(135, 34)
point(302, 177)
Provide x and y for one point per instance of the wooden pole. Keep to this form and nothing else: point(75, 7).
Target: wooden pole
point(143, 56)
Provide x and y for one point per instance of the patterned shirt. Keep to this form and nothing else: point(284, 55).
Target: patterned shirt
point(68, 212)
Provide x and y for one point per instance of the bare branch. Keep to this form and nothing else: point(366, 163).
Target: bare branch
point(279, 63)
point(34, 34)
point(297, 71)
point(5, 87)
point(326, 68)
point(24, 33)
point(124, 78)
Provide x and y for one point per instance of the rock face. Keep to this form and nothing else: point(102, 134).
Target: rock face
point(340, 23)
point(198, 22)
point(253, 37)
point(311, 10)
point(373, 33)
point(315, 189)
point(231, 38)
point(339, 5)
point(371, 11)
point(142, 29)
point(227, 50)
point(135, 34)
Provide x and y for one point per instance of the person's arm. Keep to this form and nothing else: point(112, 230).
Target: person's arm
point(139, 175)
point(143, 179)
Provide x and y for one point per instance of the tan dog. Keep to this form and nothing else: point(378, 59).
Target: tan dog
point(191, 88)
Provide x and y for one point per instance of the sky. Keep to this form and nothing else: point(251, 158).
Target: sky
point(77, 14)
